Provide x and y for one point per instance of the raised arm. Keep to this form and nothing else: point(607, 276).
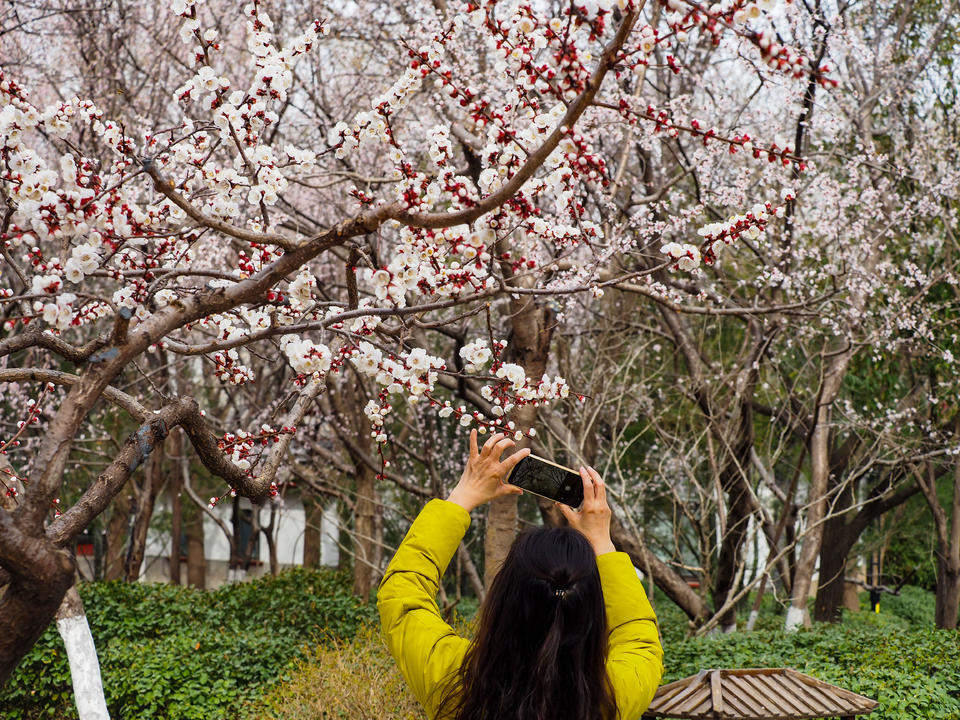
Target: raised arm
point(635, 655)
point(426, 648)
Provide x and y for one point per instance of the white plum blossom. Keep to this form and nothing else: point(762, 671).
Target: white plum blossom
point(59, 314)
point(164, 297)
point(475, 354)
point(514, 374)
point(306, 357)
point(367, 359)
point(686, 255)
point(301, 290)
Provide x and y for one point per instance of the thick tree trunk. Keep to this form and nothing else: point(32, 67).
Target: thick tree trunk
point(797, 613)
point(728, 560)
point(268, 533)
point(196, 560)
point(947, 604)
point(500, 531)
point(366, 543)
point(313, 515)
point(833, 569)
point(82, 656)
point(116, 536)
point(29, 603)
point(838, 540)
point(737, 439)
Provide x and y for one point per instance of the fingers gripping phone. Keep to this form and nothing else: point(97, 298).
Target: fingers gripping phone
point(548, 480)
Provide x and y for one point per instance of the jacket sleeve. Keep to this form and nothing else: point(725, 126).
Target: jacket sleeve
point(635, 656)
point(426, 648)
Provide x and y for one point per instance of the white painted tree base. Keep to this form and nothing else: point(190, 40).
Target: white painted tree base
point(794, 619)
point(84, 668)
point(752, 620)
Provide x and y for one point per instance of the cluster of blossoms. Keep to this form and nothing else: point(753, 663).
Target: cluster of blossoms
point(750, 225)
point(84, 259)
point(436, 264)
point(686, 255)
point(301, 290)
point(414, 374)
point(513, 389)
point(69, 205)
point(33, 409)
point(241, 445)
point(59, 314)
point(229, 369)
point(372, 126)
point(242, 116)
point(306, 357)
point(476, 355)
point(667, 123)
point(714, 19)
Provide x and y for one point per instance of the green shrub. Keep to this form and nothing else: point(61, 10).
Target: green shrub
point(913, 604)
point(170, 652)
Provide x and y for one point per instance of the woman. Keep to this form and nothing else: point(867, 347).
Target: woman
point(565, 632)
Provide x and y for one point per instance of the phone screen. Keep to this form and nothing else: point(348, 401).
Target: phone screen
point(542, 477)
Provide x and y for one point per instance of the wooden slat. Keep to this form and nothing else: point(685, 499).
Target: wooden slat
point(835, 702)
point(677, 700)
point(826, 693)
point(668, 691)
point(694, 701)
point(716, 693)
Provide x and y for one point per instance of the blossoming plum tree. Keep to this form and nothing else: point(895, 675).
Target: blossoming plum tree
point(467, 190)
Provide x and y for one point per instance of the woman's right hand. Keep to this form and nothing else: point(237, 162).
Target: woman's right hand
point(593, 517)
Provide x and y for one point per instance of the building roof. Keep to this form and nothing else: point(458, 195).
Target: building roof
point(755, 694)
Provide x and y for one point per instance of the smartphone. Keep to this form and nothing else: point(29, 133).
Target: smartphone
point(548, 480)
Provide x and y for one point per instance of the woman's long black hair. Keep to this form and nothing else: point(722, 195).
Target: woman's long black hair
point(541, 643)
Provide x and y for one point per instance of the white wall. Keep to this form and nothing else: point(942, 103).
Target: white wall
point(215, 543)
point(291, 521)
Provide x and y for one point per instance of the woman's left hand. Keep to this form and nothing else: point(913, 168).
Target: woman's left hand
point(483, 477)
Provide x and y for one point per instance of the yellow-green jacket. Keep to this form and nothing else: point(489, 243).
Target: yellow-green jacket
point(428, 650)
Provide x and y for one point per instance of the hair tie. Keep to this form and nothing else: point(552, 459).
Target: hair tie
point(560, 593)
